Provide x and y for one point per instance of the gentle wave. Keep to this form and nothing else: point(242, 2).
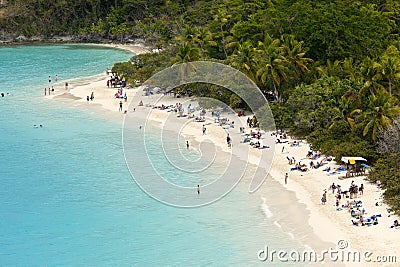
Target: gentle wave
point(265, 208)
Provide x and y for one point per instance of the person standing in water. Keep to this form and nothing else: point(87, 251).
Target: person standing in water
point(49, 79)
point(187, 144)
point(120, 105)
point(198, 189)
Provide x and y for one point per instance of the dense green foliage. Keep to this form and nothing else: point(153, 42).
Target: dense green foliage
point(387, 170)
point(331, 69)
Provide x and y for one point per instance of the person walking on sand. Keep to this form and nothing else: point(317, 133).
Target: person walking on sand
point(66, 86)
point(323, 199)
point(120, 105)
point(204, 129)
point(286, 177)
point(45, 91)
point(228, 140)
point(198, 189)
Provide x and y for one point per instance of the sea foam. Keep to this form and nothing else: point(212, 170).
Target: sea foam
point(265, 208)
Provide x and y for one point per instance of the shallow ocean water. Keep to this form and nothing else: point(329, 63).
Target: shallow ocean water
point(68, 199)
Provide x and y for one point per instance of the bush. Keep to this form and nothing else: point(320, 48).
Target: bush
point(387, 170)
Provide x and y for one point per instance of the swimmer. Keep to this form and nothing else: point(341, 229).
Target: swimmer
point(34, 126)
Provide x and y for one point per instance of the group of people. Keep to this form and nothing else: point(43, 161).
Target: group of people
point(312, 165)
point(353, 192)
point(252, 122)
point(91, 97)
point(56, 78)
point(116, 81)
point(49, 90)
point(121, 94)
point(352, 205)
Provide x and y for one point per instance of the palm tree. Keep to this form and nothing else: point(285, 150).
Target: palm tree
point(188, 35)
point(272, 64)
point(203, 37)
point(186, 54)
point(346, 112)
point(368, 77)
point(381, 111)
point(332, 69)
point(388, 69)
point(294, 52)
point(244, 59)
point(351, 71)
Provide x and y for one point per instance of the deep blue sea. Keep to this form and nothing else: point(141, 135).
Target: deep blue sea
point(67, 197)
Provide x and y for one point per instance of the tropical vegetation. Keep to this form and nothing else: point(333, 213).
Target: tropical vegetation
point(331, 69)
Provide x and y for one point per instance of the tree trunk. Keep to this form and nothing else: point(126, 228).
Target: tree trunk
point(276, 92)
point(223, 41)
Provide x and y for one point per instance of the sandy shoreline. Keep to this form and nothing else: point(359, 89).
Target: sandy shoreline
point(327, 223)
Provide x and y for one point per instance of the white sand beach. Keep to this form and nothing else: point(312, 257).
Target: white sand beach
point(328, 224)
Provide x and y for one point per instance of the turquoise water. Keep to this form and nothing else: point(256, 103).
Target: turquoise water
point(67, 197)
